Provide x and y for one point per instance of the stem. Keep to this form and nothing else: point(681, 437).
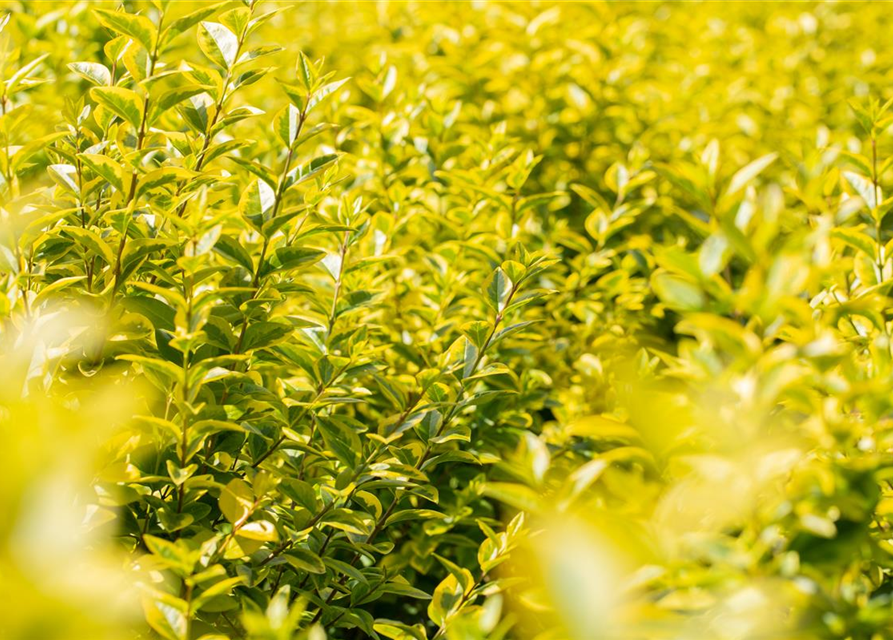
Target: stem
point(465, 598)
point(218, 109)
point(256, 279)
point(188, 598)
point(140, 139)
point(379, 525)
point(338, 280)
point(359, 471)
point(876, 212)
point(281, 439)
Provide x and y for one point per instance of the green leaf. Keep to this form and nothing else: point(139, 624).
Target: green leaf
point(516, 495)
point(340, 439)
point(158, 313)
point(446, 601)
point(65, 175)
point(124, 103)
point(297, 95)
point(303, 559)
point(236, 19)
point(744, 175)
point(288, 258)
point(163, 368)
point(218, 43)
point(498, 289)
point(232, 249)
point(93, 72)
point(172, 98)
point(677, 293)
point(856, 239)
point(108, 169)
point(304, 172)
point(167, 617)
point(324, 92)
point(181, 25)
point(288, 124)
point(412, 514)
point(477, 332)
point(257, 203)
point(864, 187)
point(259, 335)
point(221, 588)
point(236, 500)
point(399, 586)
point(306, 71)
point(159, 178)
point(260, 530)
point(174, 554)
point(92, 242)
point(49, 291)
point(399, 631)
point(139, 28)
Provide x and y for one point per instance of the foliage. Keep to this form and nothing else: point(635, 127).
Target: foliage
point(458, 320)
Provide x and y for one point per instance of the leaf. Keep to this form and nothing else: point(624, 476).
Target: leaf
point(49, 291)
point(260, 530)
point(161, 177)
point(33, 147)
point(340, 439)
point(258, 170)
point(306, 71)
point(174, 554)
point(412, 514)
point(230, 248)
point(288, 258)
point(747, 173)
point(93, 72)
point(856, 239)
point(399, 586)
point(864, 187)
point(713, 255)
point(288, 124)
point(324, 92)
point(399, 631)
point(221, 588)
point(677, 293)
point(167, 618)
point(516, 495)
point(65, 175)
point(305, 560)
point(477, 332)
point(602, 428)
point(498, 290)
point(218, 43)
point(124, 103)
point(257, 203)
point(181, 25)
point(304, 172)
point(345, 569)
point(236, 20)
point(163, 368)
point(236, 501)
point(172, 98)
point(446, 601)
point(158, 313)
point(94, 244)
point(108, 169)
point(139, 28)
point(259, 335)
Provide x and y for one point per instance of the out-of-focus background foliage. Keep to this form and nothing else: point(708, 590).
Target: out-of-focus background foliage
point(699, 426)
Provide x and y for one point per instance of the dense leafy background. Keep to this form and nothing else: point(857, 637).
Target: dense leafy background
point(424, 320)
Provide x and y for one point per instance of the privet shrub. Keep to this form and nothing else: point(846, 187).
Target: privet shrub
point(484, 320)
